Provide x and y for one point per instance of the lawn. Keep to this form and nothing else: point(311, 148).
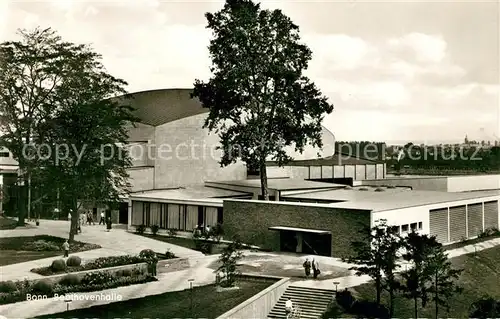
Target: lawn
point(20, 249)
point(7, 223)
point(207, 303)
point(481, 277)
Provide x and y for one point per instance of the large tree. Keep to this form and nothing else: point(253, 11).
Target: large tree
point(260, 102)
point(86, 136)
point(31, 71)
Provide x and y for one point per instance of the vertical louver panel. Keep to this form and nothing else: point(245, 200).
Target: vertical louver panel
point(457, 223)
point(191, 217)
point(137, 211)
point(155, 213)
point(474, 219)
point(439, 224)
point(491, 214)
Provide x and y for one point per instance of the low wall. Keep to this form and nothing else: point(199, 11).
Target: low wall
point(473, 183)
point(261, 304)
point(171, 265)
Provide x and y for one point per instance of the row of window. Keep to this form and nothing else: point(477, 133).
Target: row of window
point(175, 216)
point(407, 228)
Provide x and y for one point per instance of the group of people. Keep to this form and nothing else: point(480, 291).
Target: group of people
point(314, 265)
point(87, 218)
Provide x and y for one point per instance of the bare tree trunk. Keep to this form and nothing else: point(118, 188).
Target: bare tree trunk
point(21, 203)
point(378, 287)
point(415, 300)
point(74, 221)
point(263, 180)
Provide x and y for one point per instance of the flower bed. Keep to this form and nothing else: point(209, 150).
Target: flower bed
point(99, 263)
point(12, 292)
point(42, 243)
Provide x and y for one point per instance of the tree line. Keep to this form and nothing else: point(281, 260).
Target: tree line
point(57, 112)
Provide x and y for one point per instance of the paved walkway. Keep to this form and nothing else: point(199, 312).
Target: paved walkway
point(114, 243)
point(172, 281)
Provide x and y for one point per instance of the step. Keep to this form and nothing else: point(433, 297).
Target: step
point(303, 303)
point(304, 307)
point(302, 315)
point(292, 286)
point(292, 295)
point(308, 289)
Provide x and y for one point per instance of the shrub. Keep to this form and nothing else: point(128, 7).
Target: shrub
point(74, 261)
point(126, 273)
point(172, 232)
point(147, 254)
point(70, 280)
point(141, 229)
point(155, 229)
point(97, 278)
point(489, 232)
point(41, 245)
point(379, 189)
point(42, 287)
point(345, 299)
point(169, 255)
point(58, 265)
point(363, 189)
point(7, 286)
point(217, 232)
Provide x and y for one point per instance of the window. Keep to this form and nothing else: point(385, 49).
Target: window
point(4, 154)
point(404, 228)
point(220, 217)
point(420, 225)
point(394, 229)
point(146, 214)
point(413, 226)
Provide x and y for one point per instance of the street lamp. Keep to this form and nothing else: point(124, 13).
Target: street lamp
point(67, 300)
point(191, 295)
point(336, 283)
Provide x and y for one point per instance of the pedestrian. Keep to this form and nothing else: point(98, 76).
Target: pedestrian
point(307, 267)
point(315, 267)
point(91, 217)
point(79, 226)
point(108, 224)
point(102, 219)
point(288, 307)
point(65, 247)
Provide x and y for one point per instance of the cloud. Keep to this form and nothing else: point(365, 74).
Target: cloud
point(427, 48)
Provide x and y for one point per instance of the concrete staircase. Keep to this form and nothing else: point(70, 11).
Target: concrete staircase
point(312, 302)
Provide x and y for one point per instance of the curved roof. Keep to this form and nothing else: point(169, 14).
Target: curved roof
point(157, 107)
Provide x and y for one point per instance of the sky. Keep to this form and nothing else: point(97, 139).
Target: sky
point(395, 71)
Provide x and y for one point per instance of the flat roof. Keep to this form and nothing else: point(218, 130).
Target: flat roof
point(188, 193)
point(280, 184)
point(388, 199)
point(303, 230)
point(336, 159)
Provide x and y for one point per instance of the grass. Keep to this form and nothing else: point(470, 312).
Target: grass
point(480, 277)
point(21, 249)
point(207, 303)
point(7, 223)
point(470, 242)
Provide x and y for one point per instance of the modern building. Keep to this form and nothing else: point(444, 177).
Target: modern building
point(317, 205)
point(8, 176)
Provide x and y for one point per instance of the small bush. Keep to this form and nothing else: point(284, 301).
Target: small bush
point(141, 229)
point(41, 245)
point(58, 265)
point(126, 272)
point(70, 280)
point(97, 278)
point(379, 189)
point(169, 255)
point(489, 232)
point(147, 254)
point(345, 299)
point(363, 189)
point(155, 229)
point(172, 232)
point(42, 287)
point(7, 286)
point(74, 261)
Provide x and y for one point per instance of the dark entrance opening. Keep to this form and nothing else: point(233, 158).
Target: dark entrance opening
point(288, 241)
point(317, 244)
point(123, 213)
point(305, 241)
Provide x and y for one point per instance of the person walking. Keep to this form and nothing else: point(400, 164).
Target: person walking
point(108, 224)
point(102, 219)
point(307, 267)
point(65, 247)
point(315, 267)
point(288, 307)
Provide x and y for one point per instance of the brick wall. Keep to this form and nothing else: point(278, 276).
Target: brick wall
point(250, 220)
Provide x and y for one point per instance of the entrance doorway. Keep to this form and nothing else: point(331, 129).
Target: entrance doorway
point(123, 213)
point(305, 241)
